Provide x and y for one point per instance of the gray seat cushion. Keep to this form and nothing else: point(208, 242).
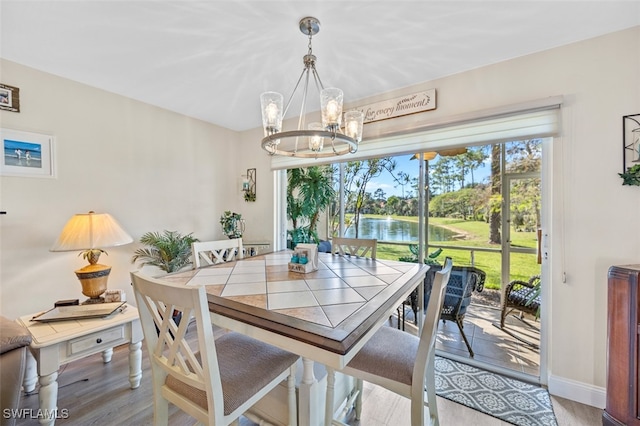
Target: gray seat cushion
point(390, 353)
point(246, 366)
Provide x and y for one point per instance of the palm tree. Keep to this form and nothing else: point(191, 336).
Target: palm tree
point(309, 192)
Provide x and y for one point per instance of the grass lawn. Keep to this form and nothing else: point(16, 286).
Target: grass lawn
point(476, 234)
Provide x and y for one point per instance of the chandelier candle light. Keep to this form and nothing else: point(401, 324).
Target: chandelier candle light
point(315, 134)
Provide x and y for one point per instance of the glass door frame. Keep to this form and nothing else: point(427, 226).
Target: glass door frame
point(546, 176)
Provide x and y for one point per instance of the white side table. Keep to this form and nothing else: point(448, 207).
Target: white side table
point(57, 343)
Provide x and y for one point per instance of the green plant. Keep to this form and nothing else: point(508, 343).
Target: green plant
point(429, 260)
point(232, 225)
point(309, 192)
point(632, 176)
point(169, 251)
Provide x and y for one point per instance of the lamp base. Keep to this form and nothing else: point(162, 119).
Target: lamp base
point(93, 279)
point(93, 300)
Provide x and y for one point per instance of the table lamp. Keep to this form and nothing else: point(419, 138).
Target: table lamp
point(91, 232)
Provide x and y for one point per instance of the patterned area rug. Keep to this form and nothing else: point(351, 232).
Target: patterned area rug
point(510, 400)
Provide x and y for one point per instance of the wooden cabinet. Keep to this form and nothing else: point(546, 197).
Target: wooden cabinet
point(623, 356)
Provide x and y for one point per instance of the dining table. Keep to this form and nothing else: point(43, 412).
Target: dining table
point(325, 315)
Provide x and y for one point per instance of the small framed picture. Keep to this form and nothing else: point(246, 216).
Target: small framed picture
point(630, 141)
point(9, 98)
point(27, 154)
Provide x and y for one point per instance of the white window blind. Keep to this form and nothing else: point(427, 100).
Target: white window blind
point(535, 119)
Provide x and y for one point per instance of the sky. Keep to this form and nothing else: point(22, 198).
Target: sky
point(405, 164)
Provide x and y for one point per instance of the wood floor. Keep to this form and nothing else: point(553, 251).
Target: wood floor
point(94, 393)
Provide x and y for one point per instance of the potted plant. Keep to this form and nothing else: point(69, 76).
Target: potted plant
point(232, 224)
point(632, 176)
point(169, 251)
point(309, 192)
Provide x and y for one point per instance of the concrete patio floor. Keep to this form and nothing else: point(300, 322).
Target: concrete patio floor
point(490, 344)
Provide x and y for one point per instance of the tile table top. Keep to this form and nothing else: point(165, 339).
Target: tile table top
point(331, 307)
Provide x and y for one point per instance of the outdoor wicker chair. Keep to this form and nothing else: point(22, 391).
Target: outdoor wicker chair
point(463, 281)
point(523, 296)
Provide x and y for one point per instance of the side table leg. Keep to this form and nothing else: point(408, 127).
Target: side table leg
point(30, 373)
point(135, 364)
point(48, 398)
point(106, 355)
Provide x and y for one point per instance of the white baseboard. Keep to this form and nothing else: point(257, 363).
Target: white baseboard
point(577, 391)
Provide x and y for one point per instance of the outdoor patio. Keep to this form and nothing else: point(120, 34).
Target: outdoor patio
point(490, 344)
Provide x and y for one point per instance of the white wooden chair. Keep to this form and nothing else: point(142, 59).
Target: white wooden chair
point(400, 362)
point(206, 253)
point(214, 381)
point(360, 247)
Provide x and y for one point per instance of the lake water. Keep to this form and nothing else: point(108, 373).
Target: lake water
point(397, 230)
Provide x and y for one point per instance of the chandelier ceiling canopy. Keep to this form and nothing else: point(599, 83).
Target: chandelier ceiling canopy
point(309, 140)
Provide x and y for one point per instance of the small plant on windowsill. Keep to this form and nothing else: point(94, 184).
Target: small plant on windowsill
point(632, 176)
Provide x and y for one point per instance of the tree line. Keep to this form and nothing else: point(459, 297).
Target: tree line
point(452, 189)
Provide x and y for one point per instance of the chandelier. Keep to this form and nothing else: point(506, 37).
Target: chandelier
point(309, 141)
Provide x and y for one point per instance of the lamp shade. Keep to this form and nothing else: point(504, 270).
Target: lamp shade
point(91, 230)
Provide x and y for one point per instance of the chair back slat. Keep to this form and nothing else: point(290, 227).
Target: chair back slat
point(426, 349)
point(171, 353)
point(205, 253)
point(359, 247)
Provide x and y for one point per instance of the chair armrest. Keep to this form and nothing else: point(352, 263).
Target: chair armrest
point(523, 293)
point(12, 335)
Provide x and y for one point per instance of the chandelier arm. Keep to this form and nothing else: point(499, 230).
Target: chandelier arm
point(304, 104)
point(333, 143)
point(286, 108)
point(317, 79)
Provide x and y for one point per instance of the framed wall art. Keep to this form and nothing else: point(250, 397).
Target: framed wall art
point(9, 98)
point(27, 154)
point(630, 141)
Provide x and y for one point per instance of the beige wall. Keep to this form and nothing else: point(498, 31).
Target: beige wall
point(593, 221)
point(156, 170)
point(150, 168)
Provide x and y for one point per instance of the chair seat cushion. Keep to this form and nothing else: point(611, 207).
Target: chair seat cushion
point(523, 297)
point(246, 366)
point(390, 353)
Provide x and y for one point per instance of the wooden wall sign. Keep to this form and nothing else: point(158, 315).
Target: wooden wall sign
point(404, 105)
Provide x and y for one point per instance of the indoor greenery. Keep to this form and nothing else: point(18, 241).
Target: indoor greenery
point(232, 225)
point(169, 251)
point(632, 176)
point(309, 192)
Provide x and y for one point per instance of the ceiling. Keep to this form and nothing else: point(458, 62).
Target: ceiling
point(212, 59)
